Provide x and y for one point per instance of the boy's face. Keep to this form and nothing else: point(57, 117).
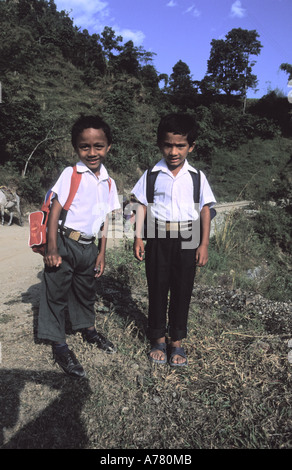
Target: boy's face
point(175, 149)
point(92, 147)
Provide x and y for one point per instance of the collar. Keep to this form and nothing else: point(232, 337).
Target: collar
point(82, 168)
point(162, 166)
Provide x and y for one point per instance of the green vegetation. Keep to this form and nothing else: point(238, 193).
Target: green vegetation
point(52, 72)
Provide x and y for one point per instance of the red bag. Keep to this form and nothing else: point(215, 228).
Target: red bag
point(38, 220)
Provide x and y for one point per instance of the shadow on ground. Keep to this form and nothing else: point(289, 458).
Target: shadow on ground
point(58, 425)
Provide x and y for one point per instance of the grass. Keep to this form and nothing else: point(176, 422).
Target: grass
point(235, 393)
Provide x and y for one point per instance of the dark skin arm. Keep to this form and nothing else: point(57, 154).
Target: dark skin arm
point(138, 242)
point(52, 257)
point(202, 250)
point(100, 260)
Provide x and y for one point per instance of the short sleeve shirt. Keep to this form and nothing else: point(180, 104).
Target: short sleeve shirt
point(93, 201)
point(173, 195)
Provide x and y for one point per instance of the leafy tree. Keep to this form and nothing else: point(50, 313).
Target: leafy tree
point(110, 43)
point(230, 64)
point(181, 85)
point(288, 69)
point(150, 78)
point(127, 61)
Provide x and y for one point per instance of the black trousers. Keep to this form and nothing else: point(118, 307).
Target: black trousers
point(169, 269)
point(68, 289)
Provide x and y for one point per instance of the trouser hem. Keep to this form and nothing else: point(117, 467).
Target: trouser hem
point(154, 334)
point(54, 339)
point(81, 326)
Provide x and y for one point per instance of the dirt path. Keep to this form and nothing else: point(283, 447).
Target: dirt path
point(20, 270)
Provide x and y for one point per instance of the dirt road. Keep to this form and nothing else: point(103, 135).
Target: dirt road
point(20, 269)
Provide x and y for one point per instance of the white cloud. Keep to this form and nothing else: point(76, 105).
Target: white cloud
point(94, 16)
point(172, 3)
point(237, 11)
point(85, 14)
point(128, 35)
point(194, 11)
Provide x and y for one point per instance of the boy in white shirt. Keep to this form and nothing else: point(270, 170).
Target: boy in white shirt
point(172, 252)
point(72, 260)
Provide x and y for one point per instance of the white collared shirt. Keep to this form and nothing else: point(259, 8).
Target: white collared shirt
point(92, 202)
point(173, 195)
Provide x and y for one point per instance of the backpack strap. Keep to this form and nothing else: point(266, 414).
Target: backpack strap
point(196, 177)
point(75, 181)
point(151, 178)
point(74, 185)
point(150, 182)
point(109, 184)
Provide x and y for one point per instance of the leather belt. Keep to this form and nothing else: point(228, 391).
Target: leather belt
point(76, 236)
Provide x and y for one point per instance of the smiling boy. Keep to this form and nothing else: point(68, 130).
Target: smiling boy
point(170, 260)
point(72, 259)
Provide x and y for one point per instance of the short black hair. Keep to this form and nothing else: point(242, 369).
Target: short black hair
point(86, 122)
point(178, 123)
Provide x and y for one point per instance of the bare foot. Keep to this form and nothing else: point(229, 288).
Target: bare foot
point(158, 355)
point(177, 358)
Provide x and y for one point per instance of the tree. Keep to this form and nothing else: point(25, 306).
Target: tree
point(181, 85)
point(230, 64)
point(127, 61)
point(110, 42)
point(150, 79)
point(288, 69)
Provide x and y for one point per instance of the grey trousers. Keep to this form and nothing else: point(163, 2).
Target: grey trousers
point(68, 289)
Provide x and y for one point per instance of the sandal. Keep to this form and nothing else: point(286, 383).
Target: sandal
point(178, 352)
point(159, 347)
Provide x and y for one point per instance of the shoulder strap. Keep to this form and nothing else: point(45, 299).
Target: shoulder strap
point(109, 184)
point(196, 177)
point(151, 178)
point(197, 188)
point(150, 182)
point(75, 181)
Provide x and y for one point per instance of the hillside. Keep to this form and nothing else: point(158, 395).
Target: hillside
point(51, 72)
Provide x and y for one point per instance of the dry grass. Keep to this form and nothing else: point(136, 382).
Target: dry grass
point(235, 393)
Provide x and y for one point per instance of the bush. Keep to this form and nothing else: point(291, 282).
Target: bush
point(274, 226)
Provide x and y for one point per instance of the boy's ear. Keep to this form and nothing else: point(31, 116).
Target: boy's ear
point(192, 147)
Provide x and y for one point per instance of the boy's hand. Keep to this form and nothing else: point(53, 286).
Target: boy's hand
point(139, 249)
point(99, 265)
point(52, 259)
point(202, 255)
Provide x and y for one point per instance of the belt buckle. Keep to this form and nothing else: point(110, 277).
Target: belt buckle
point(74, 235)
point(172, 227)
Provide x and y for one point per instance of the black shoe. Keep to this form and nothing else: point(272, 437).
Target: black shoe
point(93, 337)
point(69, 363)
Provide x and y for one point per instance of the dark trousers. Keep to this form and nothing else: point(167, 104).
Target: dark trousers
point(169, 269)
point(68, 289)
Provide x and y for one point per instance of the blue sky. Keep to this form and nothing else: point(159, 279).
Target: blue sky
point(183, 30)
